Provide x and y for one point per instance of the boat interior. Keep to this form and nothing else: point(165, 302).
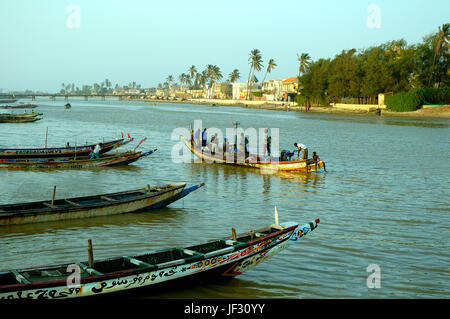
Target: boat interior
point(141, 263)
point(80, 202)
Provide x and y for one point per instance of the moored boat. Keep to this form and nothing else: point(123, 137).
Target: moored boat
point(18, 119)
point(254, 161)
point(124, 158)
point(93, 206)
point(55, 152)
point(23, 115)
point(20, 106)
point(228, 256)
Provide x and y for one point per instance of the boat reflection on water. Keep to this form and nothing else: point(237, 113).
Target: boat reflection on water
point(247, 180)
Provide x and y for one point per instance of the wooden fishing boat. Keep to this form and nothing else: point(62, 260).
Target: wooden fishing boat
point(8, 100)
point(20, 106)
point(55, 152)
point(24, 115)
point(229, 256)
point(93, 206)
point(67, 106)
point(124, 158)
point(14, 119)
point(254, 161)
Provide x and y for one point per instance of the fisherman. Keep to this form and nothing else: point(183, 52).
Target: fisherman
point(197, 137)
point(97, 149)
point(298, 149)
point(204, 138)
point(265, 142)
point(269, 142)
point(316, 160)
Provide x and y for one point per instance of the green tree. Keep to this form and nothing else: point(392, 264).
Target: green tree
point(255, 61)
point(270, 66)
point(234, 76)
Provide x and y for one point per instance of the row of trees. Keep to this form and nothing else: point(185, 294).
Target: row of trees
point(104, 87)
point(390, 67)
point(193, 79)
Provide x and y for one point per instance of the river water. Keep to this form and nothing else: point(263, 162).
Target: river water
point(384, 200)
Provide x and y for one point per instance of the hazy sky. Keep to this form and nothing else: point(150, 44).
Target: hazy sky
point(42, 45)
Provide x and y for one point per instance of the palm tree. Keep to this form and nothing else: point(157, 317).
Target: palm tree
point(442, 44)
point(270, 66)
point(234, 76)
point(305, 60)
point(213, 74)
point(192, 72)
point(255, 61)
point(442, 39)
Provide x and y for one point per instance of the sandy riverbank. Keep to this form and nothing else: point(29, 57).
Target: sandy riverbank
point(430, 111)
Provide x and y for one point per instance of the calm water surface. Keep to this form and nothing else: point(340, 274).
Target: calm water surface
point(383, 201)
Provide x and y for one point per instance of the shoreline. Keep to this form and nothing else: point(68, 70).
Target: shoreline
point(438, 111)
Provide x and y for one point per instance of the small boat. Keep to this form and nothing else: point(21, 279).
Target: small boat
point(93, 206)
point(254, 161)
point(55, 152)
point(24, 115)
point(124, 158)
point(8, 100)
point(20, 106)
point(228, 256)
point(15, 119)
point(67, 106)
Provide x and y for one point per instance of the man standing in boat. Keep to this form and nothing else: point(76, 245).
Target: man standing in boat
point(97, 149)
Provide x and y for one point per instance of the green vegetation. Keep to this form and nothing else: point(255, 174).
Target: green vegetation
point(390, 67)
point(414, 99)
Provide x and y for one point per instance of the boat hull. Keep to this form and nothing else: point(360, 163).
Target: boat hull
point(62, 163)
point(63, 210)
point(232, 263)
point(56, 152)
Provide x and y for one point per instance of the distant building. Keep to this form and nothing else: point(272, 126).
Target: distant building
point(272, 90)
point(290, 88)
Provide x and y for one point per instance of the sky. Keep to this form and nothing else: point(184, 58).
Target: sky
point(44, 43)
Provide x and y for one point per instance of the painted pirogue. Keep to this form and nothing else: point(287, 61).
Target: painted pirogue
point(55, 152)
point(116, 159)
point(229, 256)
point(254, 161)
point(94, 205)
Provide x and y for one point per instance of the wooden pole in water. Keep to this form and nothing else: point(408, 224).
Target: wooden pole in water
point(233, 231)
point(46, 134)
point(90, 254)
point(53, 197)
point(276, 216)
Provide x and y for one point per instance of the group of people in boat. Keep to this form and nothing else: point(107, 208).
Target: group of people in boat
point(199, 139)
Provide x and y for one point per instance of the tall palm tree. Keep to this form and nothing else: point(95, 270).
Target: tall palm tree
point(192, 72)
point(442, 39)
point(169, 80)
point(234, 76)
point(441, 46)
point(255, 61)
point(213, 75)
point(305, 60)
point(270, 66)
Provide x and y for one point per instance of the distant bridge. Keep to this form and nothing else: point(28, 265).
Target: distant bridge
point(67, 96)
